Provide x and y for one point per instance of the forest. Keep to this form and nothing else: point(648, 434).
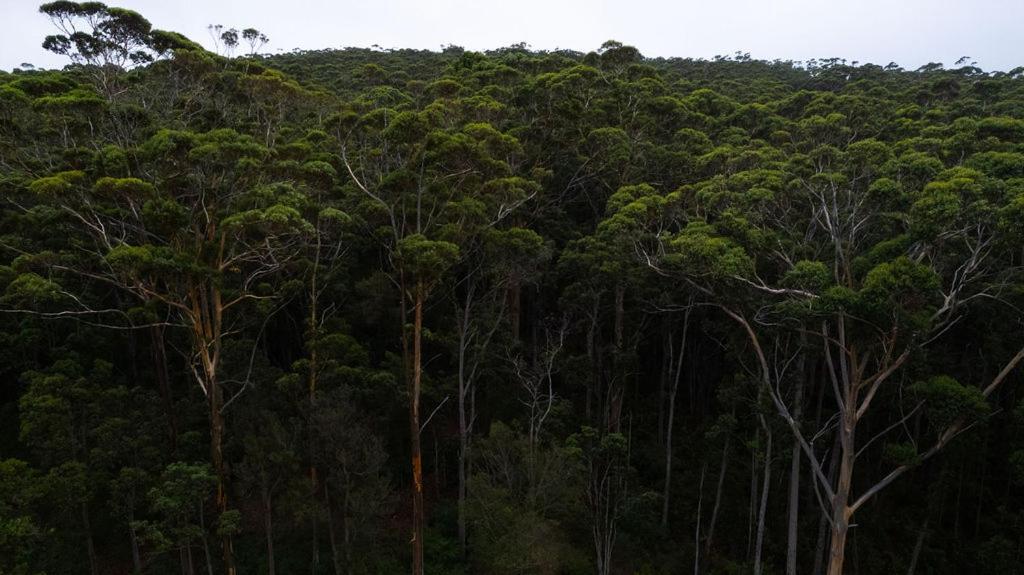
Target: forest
point(381, 311)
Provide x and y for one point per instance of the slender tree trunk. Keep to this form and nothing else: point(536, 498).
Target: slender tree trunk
point(671, 420)
point(710, 537)
point(134, 538)
point(823, 532)
point(414, 431)
point(268, 528)
point(752, 507)
point(185, 558)
point(841, 512)
point(206, 543)
point(765, 486)
point(90, 545)
point(220, 469)
point(696, 531)
point(346, 534)
point(159, 356)
point(463, 422)
point(794, 472)
point(918, 545)
point(335, 555)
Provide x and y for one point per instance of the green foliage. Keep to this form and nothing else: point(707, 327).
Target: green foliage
point(947, 401)
point(201, 257)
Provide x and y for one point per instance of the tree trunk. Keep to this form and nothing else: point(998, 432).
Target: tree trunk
point(708, 541)
point(671, 420)
point(159, 356)
point(696, 531)
point(134, 539)
point(917, 548)
point(219, 468)
point(752, 507)
point(312, 326)
point(840, 505)
point(766, 484)
point(823, 522)
point(414, 431)
point(268, 528)
point(463, 422)
point(185, 557)
point(794, 473)
point(335, 556)
point(206, 543)
point(94, 567)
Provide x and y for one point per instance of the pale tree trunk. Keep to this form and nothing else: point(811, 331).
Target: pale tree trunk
point(823, 521)
point(463, 420)
point(696, 531)
point(314, 322)
point(134, 538)
point(752, 507)
point(159, 356)
point(918, 545)
point(94, 567)
point(841, 512)
point(268, 528)
point(335, 555)
point(794, 471)
point(765, 487)
point(710, 537)
point(676, 376)
point(414, 431)
point(206, 317)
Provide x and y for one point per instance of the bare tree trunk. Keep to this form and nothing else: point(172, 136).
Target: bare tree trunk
point(335, 556)
point(94, 567)
point(414, 431)
point(134, 538)
point(794, 471)
point(917, 548)
point(206, 543)
point(823, 533)
point(752, 507)
point(346, 534)
point(159, 356)
point(840, 505)
point(709, 540)
point(463, 423)
point(671, 420)
point(185, 558)
point(268, 528)
point(765, 486)
point(220, 469)
point(696, 531)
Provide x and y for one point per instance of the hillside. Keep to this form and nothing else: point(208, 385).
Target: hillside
point(373, 311)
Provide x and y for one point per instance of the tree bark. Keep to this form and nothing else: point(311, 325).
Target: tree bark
point(678, 369)
point(335, 555)
point(159, 357)
point(841, 511)
point(268, 528)
point(794, 471)
point(765, 486)
point(414, 431)
point(917, 548)
point(220, 469)
point(708, 541)
point(90, 545)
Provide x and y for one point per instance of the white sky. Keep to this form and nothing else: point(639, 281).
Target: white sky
point(909, 32)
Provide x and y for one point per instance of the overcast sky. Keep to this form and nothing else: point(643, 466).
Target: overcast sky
point(908, 32)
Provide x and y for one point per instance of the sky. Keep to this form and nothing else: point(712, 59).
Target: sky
point(909, 32)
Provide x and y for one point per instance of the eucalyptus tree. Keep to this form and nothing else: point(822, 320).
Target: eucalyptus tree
point(197, 239)
point(430, 182)
point(874, 289)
